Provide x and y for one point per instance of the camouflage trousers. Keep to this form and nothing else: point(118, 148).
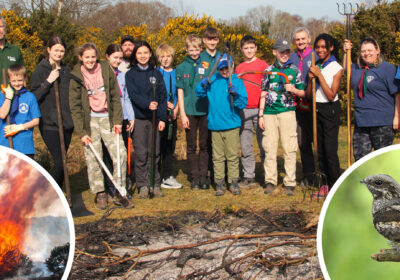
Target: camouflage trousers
point(100, 129)
point(366, 138)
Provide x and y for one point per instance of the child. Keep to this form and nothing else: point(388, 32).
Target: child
point(249, 115)
point(210, 55)
point(97, 114)
point(328, 73)
point(193, 111)
point(140, 90)
point(165, 55)
point(224, 123)
point(277, 117)
point(23, 109)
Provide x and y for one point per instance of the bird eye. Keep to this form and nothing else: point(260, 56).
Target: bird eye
point(378, 182)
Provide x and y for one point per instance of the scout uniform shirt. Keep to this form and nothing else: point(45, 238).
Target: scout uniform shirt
point(9, 55)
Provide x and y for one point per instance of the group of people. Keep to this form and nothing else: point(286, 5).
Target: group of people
point(220, 107)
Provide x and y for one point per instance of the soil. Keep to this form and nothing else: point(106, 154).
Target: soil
point(228, 244)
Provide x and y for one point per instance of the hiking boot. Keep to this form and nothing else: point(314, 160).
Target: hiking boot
point(144, 192)
point(204, 183)
point(170, 183)
point(322, 193)
point(289, 190)
point(268, 188)
point(157, 192)
point(234, 188)
point(246, 182)
point(219, 188)
point(101, 200)
point(195, 184)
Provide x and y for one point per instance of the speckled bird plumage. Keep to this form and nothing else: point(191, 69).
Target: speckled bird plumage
point(385, 206)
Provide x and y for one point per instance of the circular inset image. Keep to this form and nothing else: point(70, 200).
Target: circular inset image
point(359, 228)
point(37, 237)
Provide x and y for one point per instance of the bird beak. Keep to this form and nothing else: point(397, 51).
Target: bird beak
point(362, 181)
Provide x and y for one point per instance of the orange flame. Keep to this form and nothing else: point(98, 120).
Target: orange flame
point(25, 186)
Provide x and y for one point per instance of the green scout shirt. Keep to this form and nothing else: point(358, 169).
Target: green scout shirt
point(208, 61)
point(278, 100)
point(188, 74)
point(9, 55)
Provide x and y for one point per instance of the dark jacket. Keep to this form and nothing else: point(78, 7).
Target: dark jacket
point(79, 100)
point(140, 91)
point(45, 94)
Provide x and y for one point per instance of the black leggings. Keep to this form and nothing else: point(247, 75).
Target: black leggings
point(52, 141)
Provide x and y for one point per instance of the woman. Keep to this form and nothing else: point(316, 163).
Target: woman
point(42, 85)
point(328, 74)
point(376, 99)
point(97, 114)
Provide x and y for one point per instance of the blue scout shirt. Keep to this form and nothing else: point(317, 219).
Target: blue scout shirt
point(27, 111)
point(168, 78)
point(127, 108)
point(376, 108)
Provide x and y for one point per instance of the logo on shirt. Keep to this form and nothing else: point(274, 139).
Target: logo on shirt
point(205, 64)
point(23, 108)
point(290, 77)
point(370, 78)
point(309, 63)
point(186, 76)
point(202, 71)
point(11, 58)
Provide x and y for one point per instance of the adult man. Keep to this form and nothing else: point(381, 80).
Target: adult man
point(302, 59)
point(9, 54)
point(127, 45)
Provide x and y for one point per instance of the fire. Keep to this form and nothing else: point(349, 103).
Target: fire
point(23, 185)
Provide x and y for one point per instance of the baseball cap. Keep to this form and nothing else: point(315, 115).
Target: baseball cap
point(282, 45)
point(224, 62)
point(127, 38)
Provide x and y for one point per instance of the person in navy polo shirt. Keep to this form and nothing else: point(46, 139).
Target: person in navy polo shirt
point(375, 97)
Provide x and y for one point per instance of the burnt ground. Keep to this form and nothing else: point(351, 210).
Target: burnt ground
point(227, 244)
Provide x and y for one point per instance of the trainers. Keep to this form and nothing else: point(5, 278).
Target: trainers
point(289, 190)
point(144, 192)
point(101, 200)
point(246, 182)
point(204, 183)
point(195, 184)
point(157, 192)
point(322, 193)
point(219, 189)
point(170, 183)
point(269, 187)
point(234, 188)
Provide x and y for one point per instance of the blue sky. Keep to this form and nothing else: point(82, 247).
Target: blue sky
point(225, 9)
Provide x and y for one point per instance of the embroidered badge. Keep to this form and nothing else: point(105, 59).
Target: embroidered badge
point(11, 58)
point(309, 63)
point(370, 79)
point(186, 76)
point(290, 77)
point(23, 108)
point(205, 64)
point(202, 71)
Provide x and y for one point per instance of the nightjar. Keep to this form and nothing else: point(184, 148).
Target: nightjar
point(385, 206)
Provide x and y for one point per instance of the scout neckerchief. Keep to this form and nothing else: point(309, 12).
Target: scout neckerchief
point(281, 69)
point(362, 84)
point(321, 65)
point(15, 105)
point(193, 70)
point(303, 55)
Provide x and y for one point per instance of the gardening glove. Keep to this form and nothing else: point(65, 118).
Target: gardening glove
point(232, 90)
point(13, 129)
point(205, 83)
point(8, 91)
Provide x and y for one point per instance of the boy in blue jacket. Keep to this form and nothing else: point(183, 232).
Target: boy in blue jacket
point(224, 123)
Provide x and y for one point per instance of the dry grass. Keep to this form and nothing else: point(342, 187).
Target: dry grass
point(187, 199)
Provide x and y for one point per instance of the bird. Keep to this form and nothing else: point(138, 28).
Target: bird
point(385, 206)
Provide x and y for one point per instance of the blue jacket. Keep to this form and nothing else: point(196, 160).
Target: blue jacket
point(140, 92)
point(220, 114)
point(294, 57)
